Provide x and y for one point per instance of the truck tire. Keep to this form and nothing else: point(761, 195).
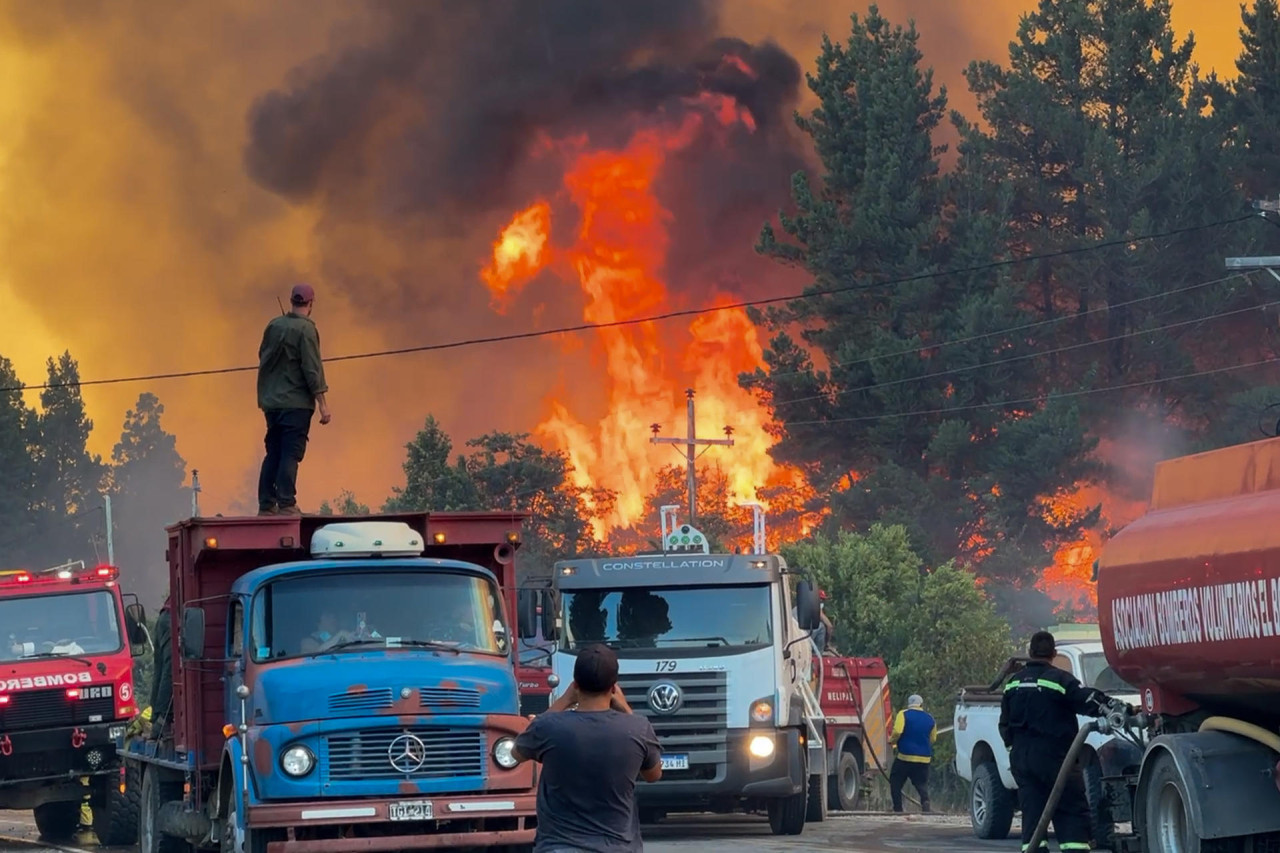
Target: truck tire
point(1102, 827)
point(845, 785)
point(786, 815)
point(991, 804)
point(58, 821)
point(816, 804)
point(241, 839)
point(115, 815)
point(154, 793)
point(1168, 827)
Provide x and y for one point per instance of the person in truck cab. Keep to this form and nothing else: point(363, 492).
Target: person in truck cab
point(291, 385)
point(914, 732)
point(1038, 723)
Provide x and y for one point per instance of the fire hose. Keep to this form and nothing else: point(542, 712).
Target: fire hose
point(856, 693)
point(1115, 719)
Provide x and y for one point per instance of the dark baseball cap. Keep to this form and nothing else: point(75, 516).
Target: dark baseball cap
point(303, 294)
point(596, 669)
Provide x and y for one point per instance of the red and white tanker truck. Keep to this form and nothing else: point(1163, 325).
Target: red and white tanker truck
point(1189, 606)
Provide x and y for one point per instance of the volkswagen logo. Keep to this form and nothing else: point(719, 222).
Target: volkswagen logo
point(665, 697)
point(407, 753)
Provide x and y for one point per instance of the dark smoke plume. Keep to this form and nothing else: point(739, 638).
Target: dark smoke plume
point(440, 107)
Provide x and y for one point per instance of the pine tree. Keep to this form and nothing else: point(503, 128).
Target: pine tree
point(431, 481)
point(1255, 100)
point(69, 479)
point(17, 472)
point(899, 426)
point(147, 488)
point(1099, 127)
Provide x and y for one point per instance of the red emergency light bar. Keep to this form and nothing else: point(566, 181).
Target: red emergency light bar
point(97, 573)
point(73, 693)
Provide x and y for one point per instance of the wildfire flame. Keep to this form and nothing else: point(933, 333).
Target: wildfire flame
point(519, 253)
point(617, 259)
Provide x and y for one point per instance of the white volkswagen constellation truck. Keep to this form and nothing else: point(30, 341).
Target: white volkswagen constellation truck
point(714, 650)
point(983, 761)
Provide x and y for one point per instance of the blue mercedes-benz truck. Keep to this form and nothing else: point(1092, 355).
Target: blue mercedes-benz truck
point(336, 685)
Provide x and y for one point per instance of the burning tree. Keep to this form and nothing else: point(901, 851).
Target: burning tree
point(870, 379)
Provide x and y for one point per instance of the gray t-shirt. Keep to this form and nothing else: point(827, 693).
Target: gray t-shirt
point(590, 761)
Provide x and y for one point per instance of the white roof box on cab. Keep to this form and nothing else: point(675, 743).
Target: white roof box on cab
point(366, 539)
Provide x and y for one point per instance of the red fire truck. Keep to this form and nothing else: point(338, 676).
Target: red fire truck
point(858, 713)
point(66, 695)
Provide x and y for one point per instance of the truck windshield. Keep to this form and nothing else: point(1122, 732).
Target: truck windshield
point(358, 611)
point(688, 617)
point(68, 623)
point(1100, 676)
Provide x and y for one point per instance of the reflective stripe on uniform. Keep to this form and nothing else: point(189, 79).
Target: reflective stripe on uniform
point(1074, 845)
point(1046, 684)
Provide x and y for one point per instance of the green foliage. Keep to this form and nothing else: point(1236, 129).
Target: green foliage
point(505, 471)
point(896, 429)
point(147, 488)
point(934, 628)
point(17, 472)
point(69, 480)
point(344, 504)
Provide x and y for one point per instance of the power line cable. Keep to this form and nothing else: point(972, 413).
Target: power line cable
point(875, 386)
point(1038, 399)
point(654, 318)
point(920, 350)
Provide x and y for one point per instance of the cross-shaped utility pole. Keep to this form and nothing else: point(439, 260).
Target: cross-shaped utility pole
point(691, 442)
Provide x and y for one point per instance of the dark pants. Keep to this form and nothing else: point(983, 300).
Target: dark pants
point(287, 431)
point(1035, 766)
point(918, 773)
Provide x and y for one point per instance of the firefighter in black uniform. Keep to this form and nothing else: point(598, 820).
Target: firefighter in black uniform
point(1038, 723)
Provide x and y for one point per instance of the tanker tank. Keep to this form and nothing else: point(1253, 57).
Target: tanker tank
point(1189, 594)
point(1189, 611)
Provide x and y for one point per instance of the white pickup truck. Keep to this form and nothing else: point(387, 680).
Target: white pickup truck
point(983, 761)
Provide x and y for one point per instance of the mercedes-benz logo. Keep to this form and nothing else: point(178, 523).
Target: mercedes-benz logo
point(407, 753)
point(665, 697)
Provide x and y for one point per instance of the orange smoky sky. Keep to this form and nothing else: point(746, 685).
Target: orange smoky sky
point(152, 216)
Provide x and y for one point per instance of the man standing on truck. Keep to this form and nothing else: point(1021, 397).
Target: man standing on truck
point(1038, 723)
point(291, 385)
point(592, 748)
point(914, 732)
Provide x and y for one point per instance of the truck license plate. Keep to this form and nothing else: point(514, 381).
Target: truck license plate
point(411, 810)
point(675, 762)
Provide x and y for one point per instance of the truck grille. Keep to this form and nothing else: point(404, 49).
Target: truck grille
point(366, 755)
point(436, 697)
point(698, 729)
point(534, 703)
point(47, 709)
point(381, 699)
point(365, 700)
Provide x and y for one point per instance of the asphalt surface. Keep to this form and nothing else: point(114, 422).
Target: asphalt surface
point(849, 832)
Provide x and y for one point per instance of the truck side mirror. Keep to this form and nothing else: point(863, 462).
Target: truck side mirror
point(135, 623)
point(527, 613)
point(192, 638)
point(808, 606)
point(550, 607)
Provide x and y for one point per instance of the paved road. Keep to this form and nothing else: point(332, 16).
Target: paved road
point(850, 833)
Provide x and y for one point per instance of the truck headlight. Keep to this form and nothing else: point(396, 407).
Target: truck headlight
point(504, 753)
point(761, 746)
point(297, 761)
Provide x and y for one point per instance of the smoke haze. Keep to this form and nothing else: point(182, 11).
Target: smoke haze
point(169, 170)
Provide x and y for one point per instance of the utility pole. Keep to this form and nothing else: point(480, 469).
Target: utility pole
point(195, 493)
point(111, 549)
point(691, 442)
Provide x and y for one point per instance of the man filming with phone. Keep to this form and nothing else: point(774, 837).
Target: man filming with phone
point(592, 749)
